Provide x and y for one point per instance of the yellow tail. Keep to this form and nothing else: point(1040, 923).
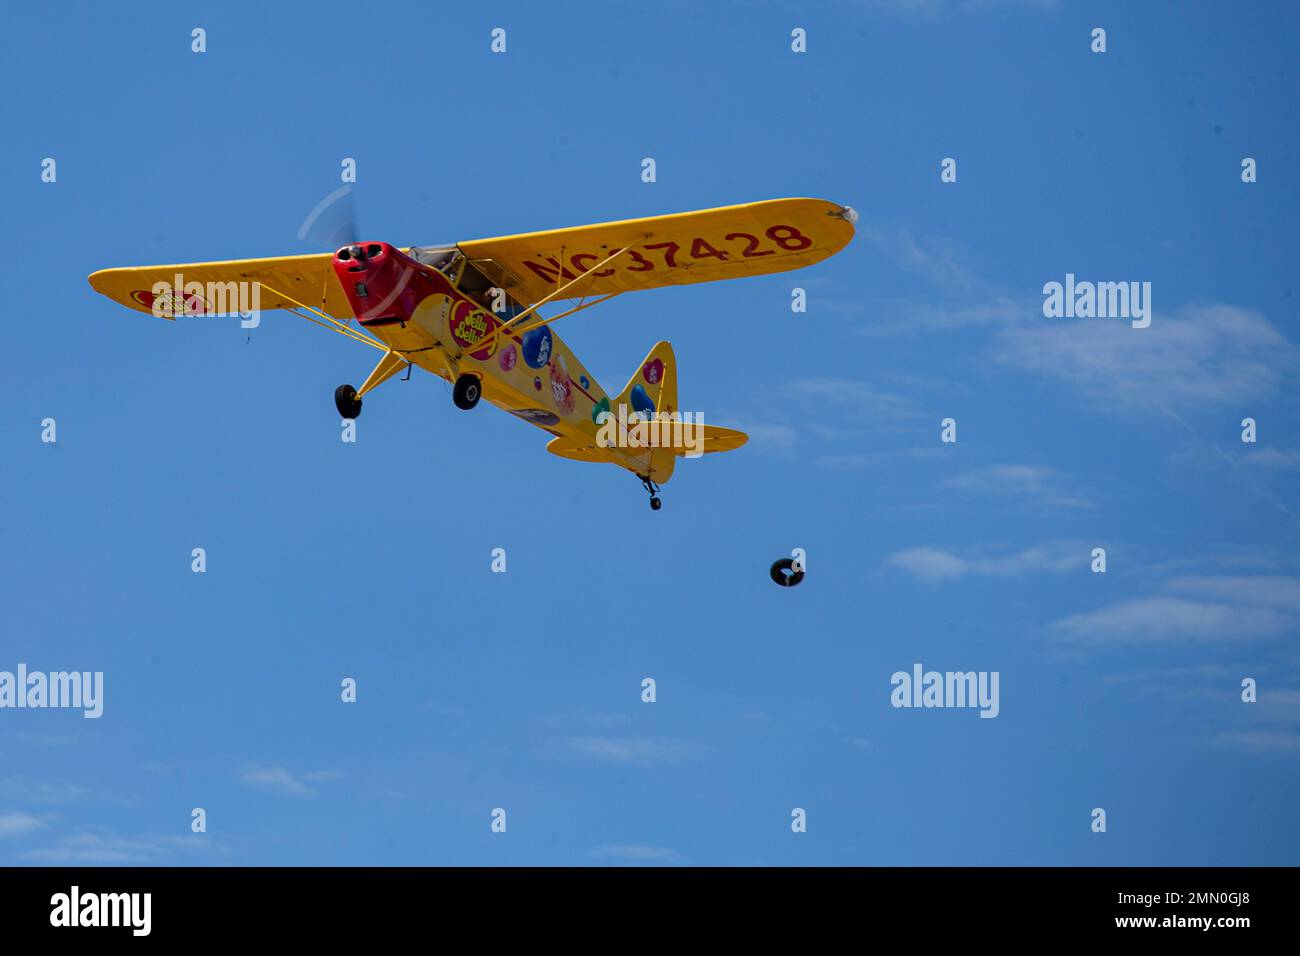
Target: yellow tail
point(653, 386)
point(651, 391)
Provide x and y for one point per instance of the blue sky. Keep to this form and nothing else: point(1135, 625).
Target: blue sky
point(522, 690)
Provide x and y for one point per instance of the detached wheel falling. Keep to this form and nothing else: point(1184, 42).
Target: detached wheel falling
point(467, 391)
point(784, 574)
point(347, 401)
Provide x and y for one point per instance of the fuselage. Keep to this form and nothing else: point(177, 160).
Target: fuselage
point(429, 316)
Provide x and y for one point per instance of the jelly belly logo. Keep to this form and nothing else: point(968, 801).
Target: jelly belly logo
point(166, 304)
point(469, 324)
point(167, 300)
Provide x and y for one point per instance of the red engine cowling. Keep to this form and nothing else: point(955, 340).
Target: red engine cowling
point(382, 283)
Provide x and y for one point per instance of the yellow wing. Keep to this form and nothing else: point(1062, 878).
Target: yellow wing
point(308, 279)
point(725, 243)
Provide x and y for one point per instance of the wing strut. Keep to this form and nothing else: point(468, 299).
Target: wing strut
point(513, 327)
point(329, 322)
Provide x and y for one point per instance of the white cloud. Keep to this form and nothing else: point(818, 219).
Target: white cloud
point(1162, 619)
point(1271, 458)
point(1261, 741)
point(891, 317)
point(930, 564)
point(27, 790)
point(636, 854)
point(934, 258)
point(1278, 705)
point(19, 824)
point(1210, 354)
point(939, 9)
point(1276, 591)
point(107, 847)
point(1025, 484)
point(935, 564)
point(769, 435)
point(1197, 355)
point(281, 780)
point(633, 750)
point(859, 397)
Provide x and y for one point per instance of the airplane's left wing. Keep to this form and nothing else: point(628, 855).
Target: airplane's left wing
point(205, 288)
point(728, 242)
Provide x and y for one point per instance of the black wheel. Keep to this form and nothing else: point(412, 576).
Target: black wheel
point(466, 393)
point(780, 576)
point(347, 401)
point(655, 504)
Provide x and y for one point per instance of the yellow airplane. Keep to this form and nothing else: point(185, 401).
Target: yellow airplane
point(459, 312)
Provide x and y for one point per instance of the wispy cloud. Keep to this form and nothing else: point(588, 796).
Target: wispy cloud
point(19, 824)
point(1164, 618)
point(1025, 484)
point(930, 564)
point(1261, 741)
point(937, 564)
point(109, 848)
point(278, 779)
point(935, 10)
point(1196, 355)
point(1271, 458)
point(769, 435)
point(636, 854)
point(858, 397)
point(1266, 590)
point(641, 751)
point(936, 259)
point(823, 410)
point(27, 790)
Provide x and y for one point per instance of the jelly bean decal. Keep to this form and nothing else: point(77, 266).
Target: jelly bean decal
point(537, 347)
point(653, 371)
point(507, 359)
point(641, 402)
point(561, 386)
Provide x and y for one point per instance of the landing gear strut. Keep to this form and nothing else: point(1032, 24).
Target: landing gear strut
point(650, 486)
point(347, 401)
point(466, 391)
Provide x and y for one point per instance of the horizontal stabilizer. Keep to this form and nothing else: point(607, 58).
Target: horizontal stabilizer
point(681, 440)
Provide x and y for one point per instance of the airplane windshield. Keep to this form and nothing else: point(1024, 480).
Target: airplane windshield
point(443, 258)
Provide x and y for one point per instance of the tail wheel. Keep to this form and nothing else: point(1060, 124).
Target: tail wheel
point(780, 576)
point(347, 401)
point(467, 391)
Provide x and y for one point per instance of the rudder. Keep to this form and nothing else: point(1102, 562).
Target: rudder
point(653, 386)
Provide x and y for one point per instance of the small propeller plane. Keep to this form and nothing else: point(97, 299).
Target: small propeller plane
point(468, 312)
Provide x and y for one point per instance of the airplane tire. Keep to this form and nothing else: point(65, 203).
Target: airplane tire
point(347, 401)
point(783, 579)
point(467, 391)
point(655, 504)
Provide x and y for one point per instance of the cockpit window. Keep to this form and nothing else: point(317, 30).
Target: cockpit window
point(479, 287)
point(468, 278)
